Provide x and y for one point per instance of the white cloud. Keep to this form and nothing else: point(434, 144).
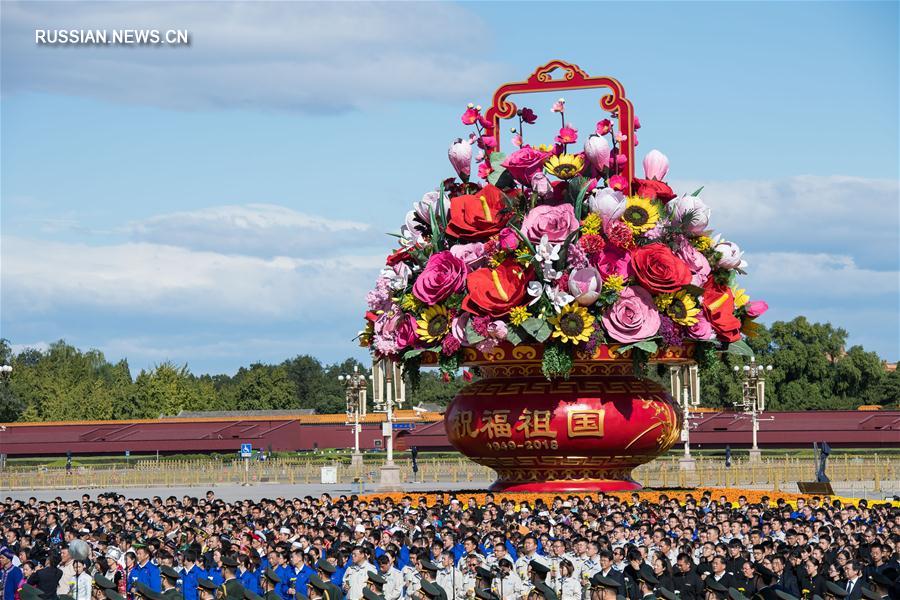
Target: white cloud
point(304, 56)
point(848, 216)
point(254, 229)
point(142, 278)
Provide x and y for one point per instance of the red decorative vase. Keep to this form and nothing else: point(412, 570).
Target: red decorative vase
point(584, 433)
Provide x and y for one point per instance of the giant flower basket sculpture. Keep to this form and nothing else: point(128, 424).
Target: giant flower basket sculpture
point(559, 275)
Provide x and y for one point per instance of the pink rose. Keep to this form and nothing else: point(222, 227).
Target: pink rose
point(509, 240)
point(633, 317)
point(556, 222)
point(702, 329)
point(612, 260)
point(444, 274)
point(696, 262)
point(471, 254)
point(524, 163)
point(756, 308)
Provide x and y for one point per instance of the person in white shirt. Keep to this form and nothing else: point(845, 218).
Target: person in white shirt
point(450, 578)
point(393, 580)
point(80, 584)
point(508, 585)
point(357, 575)
point(529, 553)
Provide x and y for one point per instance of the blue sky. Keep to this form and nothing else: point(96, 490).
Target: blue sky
point(225, 202)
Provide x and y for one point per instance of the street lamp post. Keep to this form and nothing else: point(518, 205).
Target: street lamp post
point(686, 393)
point(393, 393)
point(753, 398)
point(5, 373)
point(355, 387)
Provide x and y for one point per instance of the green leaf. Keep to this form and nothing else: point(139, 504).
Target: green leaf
point(648, 346)
point(501, 178)
point(539, 329)
point(417, 351)
point(564, 253)
point(522, 237)
point(437, 234)
point(579, 201)
point(472, 336)
point(697, 192)
point(573, 189)
point(494, 175)
point(694, 290)
point(443, 213)
point(740, 348)
point(496, 159)
point(514, 335)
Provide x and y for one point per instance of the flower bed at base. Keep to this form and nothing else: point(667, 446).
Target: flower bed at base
point(651, 495)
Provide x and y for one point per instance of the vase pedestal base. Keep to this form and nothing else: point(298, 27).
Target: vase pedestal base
point(567, 486)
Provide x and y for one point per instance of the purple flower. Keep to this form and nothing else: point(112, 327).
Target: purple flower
point(670, 332)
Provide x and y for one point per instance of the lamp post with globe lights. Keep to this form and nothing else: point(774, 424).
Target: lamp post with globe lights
point(753, 398)
point(5, 373)
point(355, 389)
point(685, 383)
point(387, 391)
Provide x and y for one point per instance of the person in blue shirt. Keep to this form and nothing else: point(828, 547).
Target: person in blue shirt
point(10, 575)
point(248, 575)
point(214, 572)
point(190, 573)
point(144, 570)
point(285, 574)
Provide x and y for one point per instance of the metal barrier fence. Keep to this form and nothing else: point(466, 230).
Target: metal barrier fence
point(872, 473)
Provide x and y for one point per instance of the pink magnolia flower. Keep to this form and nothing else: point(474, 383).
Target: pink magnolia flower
point(559, 105)
point(756, 308)
point(460, 155)
point(567, 135)
point(732, 255)
point(633, 317)
point(637, 123)
point(555, 222)
point(618, 182)
point(444, 274)
point(656, 165)
point(604, 127)
point(517, 140)
point(693, 212)
point(608, 203)
point(541, 184)
point(487, 142)
point(585, 285)
point(597, 149)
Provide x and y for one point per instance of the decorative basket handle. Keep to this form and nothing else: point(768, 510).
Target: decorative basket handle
point(574, 78)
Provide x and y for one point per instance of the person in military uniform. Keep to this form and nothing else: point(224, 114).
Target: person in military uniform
point(880, 586)
point(370, 594)
point(714, 589)
point(231, 588)
point(430, 590)
point(108, 595)
point(604, 588)
point(317, 589)
point(483, 579)
point(667, 594)
point(736, 594)
point(170, 579)
point(542, 591)
point(486, 594)
point(429, 572)
point(646, 581)
point(142, 590)
point(206, 588)
point(376, 583)
point(268, 582)
point(101, 584)
point(251, 595)
point(325, 570)
point(834, 592)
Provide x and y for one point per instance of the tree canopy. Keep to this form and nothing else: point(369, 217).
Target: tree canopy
point(812, 370)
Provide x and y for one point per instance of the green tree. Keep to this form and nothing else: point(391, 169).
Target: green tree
point(265, 387)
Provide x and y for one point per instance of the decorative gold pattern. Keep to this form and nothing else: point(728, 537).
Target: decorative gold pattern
point(528, 475)
point(586, 363)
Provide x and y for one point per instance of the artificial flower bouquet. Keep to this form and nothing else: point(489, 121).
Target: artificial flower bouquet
point(552, 246)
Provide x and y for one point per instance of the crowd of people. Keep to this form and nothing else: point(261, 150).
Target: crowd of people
point(587, 547)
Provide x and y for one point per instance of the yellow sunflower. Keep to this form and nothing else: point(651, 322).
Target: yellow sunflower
point(640, 214)
point(574, 324)
point(683, 309)
point(565, 166)
point(434, 324)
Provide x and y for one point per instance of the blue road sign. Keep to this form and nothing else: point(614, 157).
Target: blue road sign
point(246, 450)
point(404, 425)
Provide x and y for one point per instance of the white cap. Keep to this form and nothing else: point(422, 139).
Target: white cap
point(296, 545)
point(567, 504)
point(360, 529)
point(284, 530)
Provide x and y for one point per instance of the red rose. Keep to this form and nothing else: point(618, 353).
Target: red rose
point(495, 292)
point(524, 163)
point(477, 216)
point(718, 306)
point(653, 190)
point(659, 270)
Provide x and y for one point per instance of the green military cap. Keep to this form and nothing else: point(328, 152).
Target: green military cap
point(65, 597)
point(429, 588)
point(834, 589)
point(146, 591)
point(206, 583)
point(29, 592)
point(484, 573)
point(711, 584)
point(539, 568)
point(251, 595)
point(103, 583)
point(645, 574)
point(376, 578)
point(316, 582)
point(545, 591)
point(324, 565)
point(271, 575)
point(113, 595)
point(428, 566)
point(598, 580)
point(229, 561)
point(736, 594)
point(169, 573)
point(368, 594)
point(486, 594)
point(666, 594)
point(784, 595)
point(870, 594)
